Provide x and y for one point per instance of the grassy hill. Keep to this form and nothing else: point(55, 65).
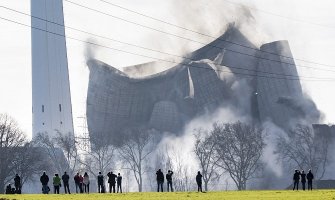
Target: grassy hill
point(236, 195)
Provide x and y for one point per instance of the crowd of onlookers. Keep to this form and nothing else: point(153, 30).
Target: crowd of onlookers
point(302, 177)
point(82, 183)
point(17, 186)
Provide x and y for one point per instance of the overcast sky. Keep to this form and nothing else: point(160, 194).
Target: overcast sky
point(311, 37)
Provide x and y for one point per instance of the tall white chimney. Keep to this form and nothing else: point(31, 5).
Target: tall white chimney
point(51, 97)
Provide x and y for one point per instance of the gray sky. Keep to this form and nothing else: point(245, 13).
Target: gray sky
point(308, 41)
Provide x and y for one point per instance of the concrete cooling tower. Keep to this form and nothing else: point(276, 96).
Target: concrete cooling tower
point(270, 91)
point(167, 100)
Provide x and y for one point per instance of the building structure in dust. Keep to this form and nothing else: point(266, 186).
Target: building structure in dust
point(261, 83)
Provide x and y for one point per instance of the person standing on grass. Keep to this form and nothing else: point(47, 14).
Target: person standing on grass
point(303, 179)
point(45, 180)
point(66, 179)
point(296, 178)
point(160, 180)
point(81, 183)
point(310, 178)
point(198, 178)
point(56, 183)
point(100, 183)
point(17, 184)
point(169, 180)
point(86, 182)
point(77, 181)
point(119, 182)
point(111, 181)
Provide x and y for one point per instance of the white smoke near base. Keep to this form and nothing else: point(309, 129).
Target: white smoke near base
point(270, 158)
point(180, 148)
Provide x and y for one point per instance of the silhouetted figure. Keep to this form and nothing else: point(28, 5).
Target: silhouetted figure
point(160, 180)
point(303, 179)
point(66, 179)
point(119, 183)
point(45, 180)
point(296, 178)
point(101, 188)
point(81, 183)
point(86, 183)
point(310, 178)
point(198, 178)
point(45, 190)
point(9, 189)
point(57, 183)
point(77, 182)
point(169, 180)
point(111, 181)
point(17, 184)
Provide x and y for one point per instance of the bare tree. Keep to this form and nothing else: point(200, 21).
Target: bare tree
point(54, 153)
point(171, 157)
point(239, 149)
point(183, 179)
point(68, 144)
point(28, 161)
point(305, 149)
point(204, 149)
point(100, 157)
point(135, 151)
point(158, 161)
point(11, 139)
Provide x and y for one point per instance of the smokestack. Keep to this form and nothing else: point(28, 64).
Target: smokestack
point(50, 77)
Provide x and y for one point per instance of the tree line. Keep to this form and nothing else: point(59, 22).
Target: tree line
point(226, 149)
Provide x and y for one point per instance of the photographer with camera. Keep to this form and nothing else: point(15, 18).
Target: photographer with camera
point(169, 180)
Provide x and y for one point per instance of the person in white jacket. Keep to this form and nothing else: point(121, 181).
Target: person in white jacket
point(86, 183)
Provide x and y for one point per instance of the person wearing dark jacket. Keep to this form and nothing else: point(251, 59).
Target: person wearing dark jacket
point(198, 178)
point(310, 178)
point(160, 180)
point(76, 179)
point(296, 178)
point(111, 181)
point(169, 180)
point(8, 189)
point(17, 184)
point(66, 179)
point(119, 183)
point(101, 188)
point(303, 179)
point(44, 180)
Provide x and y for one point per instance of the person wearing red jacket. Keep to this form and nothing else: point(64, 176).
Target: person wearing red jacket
point(81, 183)
point(77, 182)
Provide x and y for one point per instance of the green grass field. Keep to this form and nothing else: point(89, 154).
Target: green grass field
point(279, 194)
